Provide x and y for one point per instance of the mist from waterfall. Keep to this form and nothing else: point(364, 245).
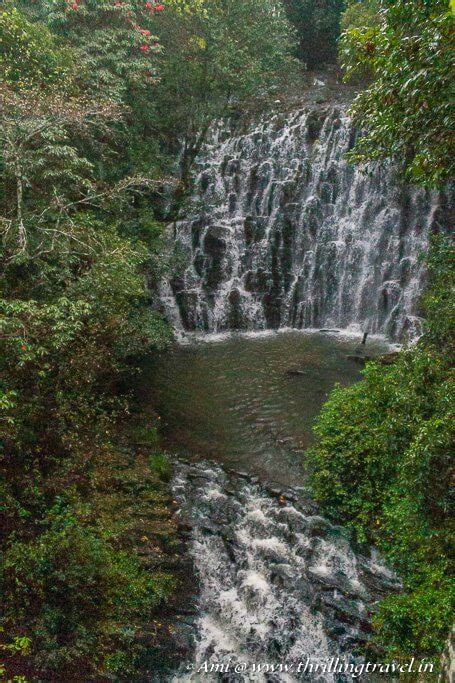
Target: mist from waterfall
point(281, 231)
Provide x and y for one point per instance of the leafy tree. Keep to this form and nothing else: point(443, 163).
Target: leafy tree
point(115, 39)
point(362, 18)
point(360, 14)
point(118, 56)
point(45, 170)
point(406, 111)
point(46, 581)
point(30, 55)
point(175, 66)
point(217, 55)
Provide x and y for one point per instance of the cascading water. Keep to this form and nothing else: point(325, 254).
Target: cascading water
point(282, 232)
point(281, 589)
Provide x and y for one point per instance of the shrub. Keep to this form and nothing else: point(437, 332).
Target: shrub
point(73, 595)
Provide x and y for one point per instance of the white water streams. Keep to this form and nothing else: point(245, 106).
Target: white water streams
point(282, 232)
point(278, 584)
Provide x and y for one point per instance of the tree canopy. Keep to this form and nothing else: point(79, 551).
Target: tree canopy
point(406, 110)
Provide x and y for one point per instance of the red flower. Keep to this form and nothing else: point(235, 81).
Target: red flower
point(159, 7)
point(24, 348)
point(145, 32)
point(74, 5)
point(145, 48)
point(148, 5)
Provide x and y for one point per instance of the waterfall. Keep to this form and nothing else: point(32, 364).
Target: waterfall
point(281, 231)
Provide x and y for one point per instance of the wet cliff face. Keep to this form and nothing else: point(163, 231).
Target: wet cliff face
point(282, 232)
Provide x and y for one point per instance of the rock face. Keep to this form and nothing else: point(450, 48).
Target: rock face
point(282, 232)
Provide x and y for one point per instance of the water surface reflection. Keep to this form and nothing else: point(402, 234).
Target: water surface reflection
point(249, 401)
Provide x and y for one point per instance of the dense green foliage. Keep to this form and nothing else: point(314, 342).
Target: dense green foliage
point(360, 14)
point(177, 69)
point(407, 48)
point(97, 97)
point(74, 310)
point(93, 107)
point(382, 464)
point(318, 28)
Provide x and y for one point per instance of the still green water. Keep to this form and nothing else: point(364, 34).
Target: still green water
point(236, 400)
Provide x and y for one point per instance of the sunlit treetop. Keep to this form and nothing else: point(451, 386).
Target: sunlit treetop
point(30, 53)
point(117, 40)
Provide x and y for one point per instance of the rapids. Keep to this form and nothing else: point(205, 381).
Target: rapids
point(279, 585)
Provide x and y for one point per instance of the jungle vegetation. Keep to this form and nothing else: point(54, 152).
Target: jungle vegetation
point(98, 96)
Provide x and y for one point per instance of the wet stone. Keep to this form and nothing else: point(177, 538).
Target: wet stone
point(319, 526)
point(242, 475)
point(288, 174)
point(250, 559)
